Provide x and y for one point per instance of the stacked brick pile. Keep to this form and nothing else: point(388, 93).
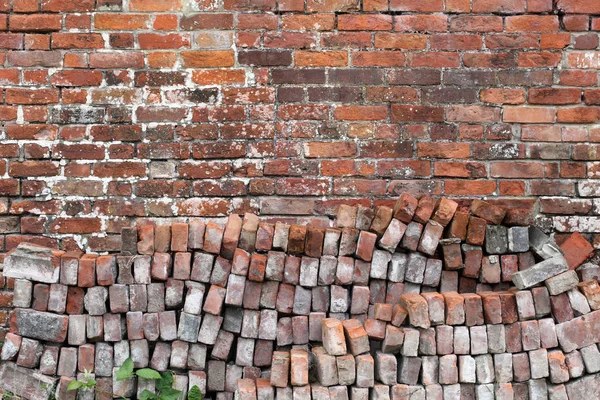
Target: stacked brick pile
point(422, 300)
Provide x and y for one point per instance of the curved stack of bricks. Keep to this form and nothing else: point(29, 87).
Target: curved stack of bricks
point(294, 199)
point(424, 300)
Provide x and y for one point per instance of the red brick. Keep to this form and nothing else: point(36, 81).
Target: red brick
point(554, 96)
point(423, 23)
point(455, 42)
point(208, 59)
point(499, 6)
point(503, 96)
point(532, 23)
point(35, 22)
point(373, 22)
point(468, 23)
point(361, 113)
point(422, 6)
point(576, 250)
point(406, 41)
point(578, 7)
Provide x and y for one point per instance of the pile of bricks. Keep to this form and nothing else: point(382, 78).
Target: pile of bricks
point(423, 300)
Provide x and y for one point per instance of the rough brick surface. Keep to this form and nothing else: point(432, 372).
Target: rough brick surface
point(269, 106)
point(199, 150)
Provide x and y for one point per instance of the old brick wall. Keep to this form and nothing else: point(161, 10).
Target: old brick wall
point(120, 109)
point(417, 301)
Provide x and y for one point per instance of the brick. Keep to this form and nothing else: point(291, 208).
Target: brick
point(118, 298)
point(578, 302)
point(492, 308)
point(539, 272)
point(365, 371)
point(591, 291)
point(220, 272)
point(562, 283)
point(417, 309)
point(161, 266)
point(22, 293)
point(490, 269)
point(346, 215)
point(411, 342)
point(428, 346)
point(142, 267)
point(333, 337)
point(348, 242)
point(296, 239)
point(364, 217)
point(430, 237)
point(443, 337)
point(339, 271)
point(444, 211)
point(331, 242)
point(392, 236)
point(588, 271)
point(32, 262)
point(161, 357)
point(209, 329)
point(214, 300)
point(112, 327)
point(576, 250)
point(162, 238)
point(561, 307)
point(179, 237)
point(213, 237)
point(381, 220)
point(405, 208)
point(508, 306)
point(455, 311)
point(365, 245)
point(476, 231)
point(491, 213)
point(182, 265)
point(314, 242)
point(415, 269)
point(280, 368)
point(452, 254)
point(298, 367)
point(11, 346)
point(412, 235)
point(496, 239)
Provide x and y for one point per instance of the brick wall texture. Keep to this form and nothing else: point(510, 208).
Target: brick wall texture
point(415, 302)
point(114, 110)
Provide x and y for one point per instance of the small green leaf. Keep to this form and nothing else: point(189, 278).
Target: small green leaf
point(74, 385)
point(165, 381)
point(126, 370)
point(90, 383)
point(148, 373)
point(194, 393)
point(148, 395)
point(170, 394)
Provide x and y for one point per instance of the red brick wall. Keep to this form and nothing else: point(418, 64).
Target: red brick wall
point(114, 110)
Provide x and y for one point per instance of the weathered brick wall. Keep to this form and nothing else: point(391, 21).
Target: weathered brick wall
point(115, 110)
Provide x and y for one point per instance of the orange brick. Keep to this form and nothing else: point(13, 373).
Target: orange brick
point(502, 96)
point(529, 114)
point(321, 58)
point(367, 22)
point(358, 113)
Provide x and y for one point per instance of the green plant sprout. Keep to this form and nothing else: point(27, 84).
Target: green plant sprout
point(163, 383)
point(88, 382)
